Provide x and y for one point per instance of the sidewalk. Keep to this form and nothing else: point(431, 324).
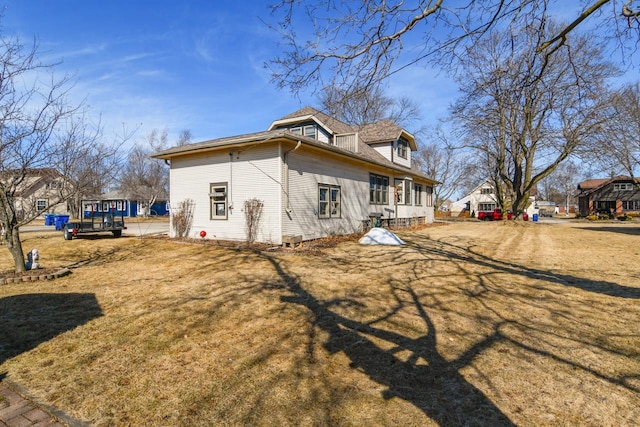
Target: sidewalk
point(16, 411)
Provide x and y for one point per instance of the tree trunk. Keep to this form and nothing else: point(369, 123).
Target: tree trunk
point(10, 232)
point(11, 238)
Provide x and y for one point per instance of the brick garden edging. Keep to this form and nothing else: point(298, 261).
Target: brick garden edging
point(34, 276)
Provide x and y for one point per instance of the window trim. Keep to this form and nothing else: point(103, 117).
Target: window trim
point(403, 191)
point(417, 196)
point(46, 203)
point(402, 147)
point(428, 200)
point(307, 134)
point(625, 186)
point(378, 189)
point(213, 203)
point(332, 207)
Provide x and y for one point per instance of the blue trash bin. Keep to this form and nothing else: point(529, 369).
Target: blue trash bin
point(49, 219)
point(535, 217)
point(61, 220)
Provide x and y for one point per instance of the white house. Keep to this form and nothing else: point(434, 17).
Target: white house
point(481, 198)
point(316, 176)
point(484, 198)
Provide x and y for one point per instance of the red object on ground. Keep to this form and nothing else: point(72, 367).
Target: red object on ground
point(494, 215)
point(203, 234)
point(525, 216)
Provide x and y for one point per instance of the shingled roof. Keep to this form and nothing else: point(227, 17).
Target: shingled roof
point(378, 132)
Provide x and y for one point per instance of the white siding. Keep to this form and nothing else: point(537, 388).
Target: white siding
point(385, 149)
point(307, 169)
point(399, 160)
point(252, 173)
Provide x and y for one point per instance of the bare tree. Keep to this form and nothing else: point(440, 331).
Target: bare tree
point(354, 45)
point(367, 105)
point(442, 161)
point(616, 144)
point(32, 110)
point(524, 112)
point(87, 162)
point(146, 179)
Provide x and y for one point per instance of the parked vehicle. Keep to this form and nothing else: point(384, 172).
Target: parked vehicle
point(494, 215)
point(103, 217)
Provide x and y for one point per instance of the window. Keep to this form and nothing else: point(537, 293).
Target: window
point(623, 187)
point(218, 197)
point(429, 194)
point(418, 194)
point(402, 148)
point(631, 205)
point(486, 190)
point(403, 191)
point(328, 201)
point(310, 131)
point(296, 130)
point(41, 205)
point(378, 189)
point(399, 191)
point(486, 206)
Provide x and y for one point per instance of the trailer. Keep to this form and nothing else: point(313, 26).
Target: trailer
point(98, 216)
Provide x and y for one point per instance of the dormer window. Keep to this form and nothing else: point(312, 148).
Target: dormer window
point(402, 148)
point(310, 131)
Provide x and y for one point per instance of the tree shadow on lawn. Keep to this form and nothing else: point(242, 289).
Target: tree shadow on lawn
point(631, 230)
point(426, 379)
point(467, 254)
point(28, 320)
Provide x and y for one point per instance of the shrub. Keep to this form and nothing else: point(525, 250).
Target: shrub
point(252, 213)
point(182, 217)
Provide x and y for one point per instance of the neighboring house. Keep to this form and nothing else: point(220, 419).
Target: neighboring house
point(40, 192)
point(316, 176)
point(132, 208)
point(484, 198)
point(618, 195)
point(481, 198)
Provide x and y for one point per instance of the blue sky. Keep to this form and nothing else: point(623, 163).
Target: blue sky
point(194, 65)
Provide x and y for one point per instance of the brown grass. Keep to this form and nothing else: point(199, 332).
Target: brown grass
point(468, 324)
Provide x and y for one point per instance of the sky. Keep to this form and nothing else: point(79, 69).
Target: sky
point(196, 65)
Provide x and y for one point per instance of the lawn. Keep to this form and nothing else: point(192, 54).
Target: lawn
point(490, 324)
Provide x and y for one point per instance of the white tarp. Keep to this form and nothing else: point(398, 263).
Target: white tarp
point(380, 236)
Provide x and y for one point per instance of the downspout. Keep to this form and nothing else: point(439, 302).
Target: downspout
point(230, 198)
point(286, 175)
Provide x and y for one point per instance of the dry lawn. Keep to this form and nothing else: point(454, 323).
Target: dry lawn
point(490, 324)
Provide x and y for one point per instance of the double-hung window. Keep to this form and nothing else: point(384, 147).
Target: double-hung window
point(418, 194)
point(378, 189)
point(41, 205)
point(429, 196)
point(402, 148)
point(310, 131)
point(218, 199)
point(403, 191)
point(329, 203)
